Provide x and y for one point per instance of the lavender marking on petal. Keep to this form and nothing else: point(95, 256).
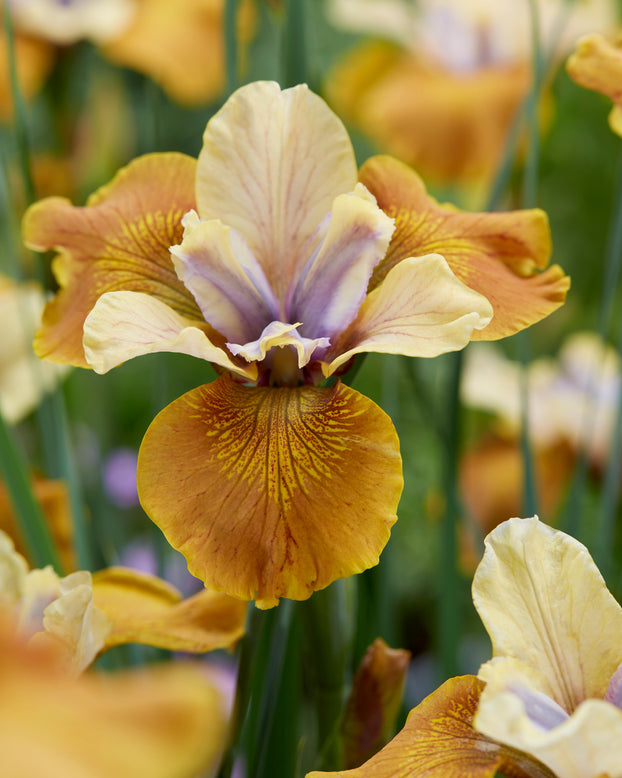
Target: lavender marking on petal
point(541, 710)
point(614, 690)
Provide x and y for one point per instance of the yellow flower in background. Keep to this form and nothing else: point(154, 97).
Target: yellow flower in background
point(549, 702)
point(267, 258)
point(180, 45)
point(160, 721)
point(597, 64)
point(81, 615)
point(440, 85)
point(23, 378)
point(554, 685)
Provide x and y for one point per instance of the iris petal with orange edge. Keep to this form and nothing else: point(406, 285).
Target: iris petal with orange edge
point(438, 741)
point(120, 241)
point(272, 492)
point(500, 255)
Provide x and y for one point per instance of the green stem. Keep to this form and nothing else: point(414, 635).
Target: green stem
point(449, 616)
point(328, 621)
point(231, 45)
point(294, 47)
point(30, 520)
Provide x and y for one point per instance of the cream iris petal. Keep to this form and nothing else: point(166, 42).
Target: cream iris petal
point(421, 309)
point(284, 156)
point(123, 325)
point(278, 334)
point(544, 602)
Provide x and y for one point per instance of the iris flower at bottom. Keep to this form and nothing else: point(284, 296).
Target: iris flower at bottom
point(549, 702)
point(260, 258)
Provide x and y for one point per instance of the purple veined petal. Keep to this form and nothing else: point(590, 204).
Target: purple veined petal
point(229, 286)
point(614, 690)
point(334, 282)
point(541, 710)
point(271, 165)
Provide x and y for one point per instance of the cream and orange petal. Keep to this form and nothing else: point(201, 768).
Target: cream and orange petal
point(334, 283)
point(544, 602)
point(271, 165)
point(144, 609)
point(585, 744)
point(123, 325)
point(500, 255)
point(164, 722)
point(119, 241)
point(438, 741)
point(597, 64)
point(421, 309)
point(228, 284)
point(272, 492)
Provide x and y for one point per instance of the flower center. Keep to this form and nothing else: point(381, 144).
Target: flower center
point(285, 371)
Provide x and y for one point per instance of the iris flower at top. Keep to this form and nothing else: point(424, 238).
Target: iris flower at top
point(260, 259)
point(549, 702)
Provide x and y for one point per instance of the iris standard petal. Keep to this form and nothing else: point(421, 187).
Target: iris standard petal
point(228, 284)
point(333, 286)
point(544, 602)
point(284, 156)
point(421, 309)
point(438, 741)
point(144, 609)
point(119, 241)
point(123, 325)
point(499, 255)
point(272, 492)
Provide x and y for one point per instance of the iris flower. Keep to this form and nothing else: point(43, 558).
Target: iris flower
point(438, 83)
point(265, 258)
point(597, 64)
point(81, 615)
point(549, 702)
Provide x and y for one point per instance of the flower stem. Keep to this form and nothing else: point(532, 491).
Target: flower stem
point(328, 623)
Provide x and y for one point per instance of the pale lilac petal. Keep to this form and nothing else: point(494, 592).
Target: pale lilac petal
point(271, 165)
point(334, 283)
point(541, 710)
point(421, 309)
point(123, 325)
point(230, 288)
point(278, 334)
point(614, 690)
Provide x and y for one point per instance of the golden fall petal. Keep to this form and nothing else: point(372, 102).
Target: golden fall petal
point(272, 492)
point(144, 609)
point(438, 741)
point(499, 255)
point(119, 241)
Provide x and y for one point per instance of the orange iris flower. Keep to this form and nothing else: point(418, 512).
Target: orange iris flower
point(267, 258)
